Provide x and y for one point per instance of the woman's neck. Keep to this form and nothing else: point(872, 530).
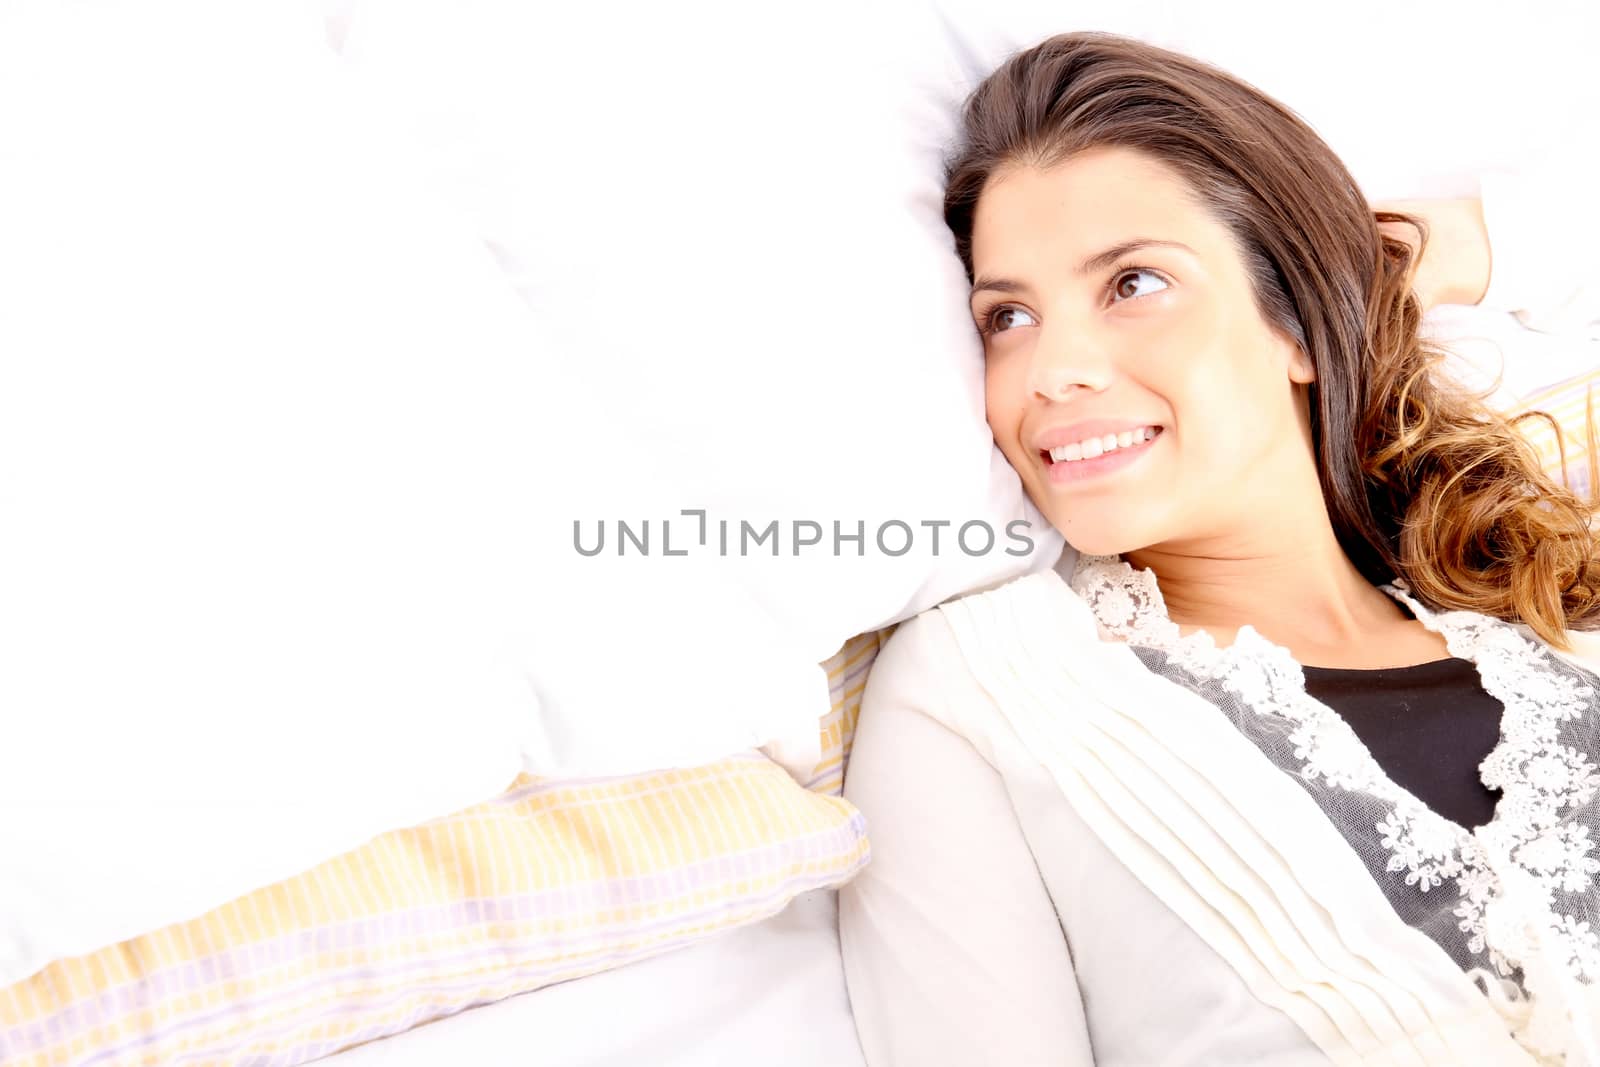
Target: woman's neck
point(1293, 584)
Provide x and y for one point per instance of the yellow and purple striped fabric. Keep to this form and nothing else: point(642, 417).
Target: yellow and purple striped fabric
point(550, 881)
point(847, 680)
point(1567, 402)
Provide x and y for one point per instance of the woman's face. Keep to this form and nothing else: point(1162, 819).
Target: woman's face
point(1131, 380)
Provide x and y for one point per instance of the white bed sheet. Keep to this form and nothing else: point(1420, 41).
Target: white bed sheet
point(772, 994)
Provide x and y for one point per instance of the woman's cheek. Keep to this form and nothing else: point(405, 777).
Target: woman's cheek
point(1000, 402)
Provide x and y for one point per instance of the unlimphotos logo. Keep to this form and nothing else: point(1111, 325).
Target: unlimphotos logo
point(895, 537)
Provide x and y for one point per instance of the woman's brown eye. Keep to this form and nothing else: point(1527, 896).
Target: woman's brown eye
point(1005, 318)
point(1126, 285)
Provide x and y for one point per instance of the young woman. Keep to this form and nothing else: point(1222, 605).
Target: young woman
point(1295, 760)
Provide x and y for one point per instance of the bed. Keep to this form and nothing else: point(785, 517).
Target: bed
point(324, 929)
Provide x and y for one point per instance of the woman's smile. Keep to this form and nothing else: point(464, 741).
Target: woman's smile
point(1098, 457)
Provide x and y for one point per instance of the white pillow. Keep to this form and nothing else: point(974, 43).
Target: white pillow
point(736, 211)
point(287, 473)
point(733, 214)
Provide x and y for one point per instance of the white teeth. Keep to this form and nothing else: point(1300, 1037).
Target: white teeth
point(1094, 447)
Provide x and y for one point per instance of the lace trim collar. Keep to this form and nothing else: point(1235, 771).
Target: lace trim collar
point(1508, 872)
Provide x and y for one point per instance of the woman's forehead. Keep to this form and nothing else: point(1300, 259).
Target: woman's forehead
point(1091, 201)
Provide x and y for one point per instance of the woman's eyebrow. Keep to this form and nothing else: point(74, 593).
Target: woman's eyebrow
point(996, 285)
point(1101, 260)
point(1096, 262)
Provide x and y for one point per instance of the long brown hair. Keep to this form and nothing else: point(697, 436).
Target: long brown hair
point(1422, 480)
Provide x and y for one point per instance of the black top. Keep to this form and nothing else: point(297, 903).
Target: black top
point(1428, 726)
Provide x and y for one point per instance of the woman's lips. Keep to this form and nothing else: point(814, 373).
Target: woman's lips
point(1067, 472)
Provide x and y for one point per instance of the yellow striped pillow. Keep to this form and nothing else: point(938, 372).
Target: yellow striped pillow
point(847, 679)
point(550, 881)
point(1568, 403)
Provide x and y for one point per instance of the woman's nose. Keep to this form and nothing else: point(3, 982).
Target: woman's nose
point(1064, 365)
